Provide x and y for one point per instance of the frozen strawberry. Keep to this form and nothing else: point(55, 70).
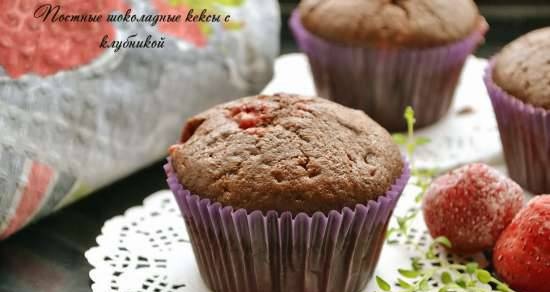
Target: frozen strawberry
point(522, 254)
point(471, 206)
point(30, 44)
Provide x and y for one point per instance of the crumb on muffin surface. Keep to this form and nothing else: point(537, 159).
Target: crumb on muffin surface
point(286, 153)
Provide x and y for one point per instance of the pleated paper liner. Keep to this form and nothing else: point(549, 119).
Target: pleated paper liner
point(382, 81)
point(525, 135)
point(237, 251)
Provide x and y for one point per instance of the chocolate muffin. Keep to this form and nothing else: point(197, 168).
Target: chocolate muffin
point(286, 193)
point(522, 68)
point(518, 82)
point(401, 23)
point(286, 153)
point(382, 56)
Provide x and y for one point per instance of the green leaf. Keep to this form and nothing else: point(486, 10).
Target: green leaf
point(409, 117)
point(383, 284)
point(411, 148)
point(416, 265)
point(401, 221)
point(419, 197)
point(483, 276)
point(409, 273)
point(230, 2)
point(424, 173)
point(430, 254)
point(446, 278)
point(400, 139)
point(390, 232)
point(424, 284)
point(471, 268)
point(461, 282)
point(403, 284)
point(443, 241)
point(503, 288)
point(422, 141)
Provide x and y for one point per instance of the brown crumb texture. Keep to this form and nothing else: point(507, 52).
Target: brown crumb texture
point(399, 23)
point(522, 68)
point(286, 153)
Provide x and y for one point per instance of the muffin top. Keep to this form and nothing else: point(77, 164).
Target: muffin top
point(396, 23)
point(286, 153)
point(522, 68)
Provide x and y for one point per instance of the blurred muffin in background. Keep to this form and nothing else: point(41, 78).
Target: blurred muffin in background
point(518, 82)
point(382, 56)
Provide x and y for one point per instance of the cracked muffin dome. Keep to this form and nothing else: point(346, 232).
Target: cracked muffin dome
point(391, 23)
point(286, 153)
point(522, 68)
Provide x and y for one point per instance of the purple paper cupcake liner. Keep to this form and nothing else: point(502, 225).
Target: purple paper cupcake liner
point(525, 135)
point(238, 251)
point(382, 81)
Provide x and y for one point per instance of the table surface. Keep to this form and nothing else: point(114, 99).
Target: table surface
point(48, 256)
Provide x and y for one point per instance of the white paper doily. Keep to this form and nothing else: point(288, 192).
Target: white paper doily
point(468, 133)
point(148, 250)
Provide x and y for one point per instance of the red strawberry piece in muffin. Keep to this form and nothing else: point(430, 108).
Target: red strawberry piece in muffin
point(32, 45)
point(471, 206)
point(522, 254)
point(250, 115)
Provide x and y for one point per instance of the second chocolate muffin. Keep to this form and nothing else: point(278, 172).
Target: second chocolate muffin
point(286, 153)
point(382, 56)
point(518, 82)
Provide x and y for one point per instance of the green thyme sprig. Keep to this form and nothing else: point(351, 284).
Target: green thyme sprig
point(422, 177)
point(454, 277)
point(409, 140)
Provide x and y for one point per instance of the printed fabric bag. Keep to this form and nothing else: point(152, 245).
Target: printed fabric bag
point(75, 116)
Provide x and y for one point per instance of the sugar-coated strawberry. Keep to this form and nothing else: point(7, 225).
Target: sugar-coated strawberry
point(522, 254)
point(471, 206)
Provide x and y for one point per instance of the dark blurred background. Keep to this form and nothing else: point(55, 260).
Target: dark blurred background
point(48, 256)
